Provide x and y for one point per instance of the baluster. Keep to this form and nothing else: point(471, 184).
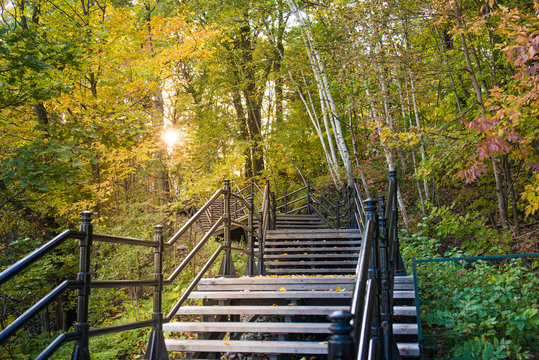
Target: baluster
point(227, 264)
point(156, 349)
point(340, 343)
point(81, 350)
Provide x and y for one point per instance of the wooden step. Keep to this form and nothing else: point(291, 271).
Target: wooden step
point(254, 347)
point(310, 256)
point(222, 295)
point(404, 310)
point(285, 294)
point(260, 310)
point(295, 271)
point(266, 347)
point(270, 327)
point(311, 263)
point(313, 243)
point(315, 249)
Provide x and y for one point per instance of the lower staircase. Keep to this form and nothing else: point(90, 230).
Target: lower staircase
point(284, 315)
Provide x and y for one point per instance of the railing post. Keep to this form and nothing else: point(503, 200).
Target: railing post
point(340, 343)
point(273, 203)
point(250, 266)
point(349, 208)
point(399, 263)
point(374, 274)
point(156, 349)
point(81, 350)
point(261, 266)
point(308, 198)
point(227, 264)
point(386, 303)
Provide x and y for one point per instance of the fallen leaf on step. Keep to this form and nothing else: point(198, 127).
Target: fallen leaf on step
point(292, 304)
point(338, 288)
point(274, 305)
point(323, 342)
point(282, 289)
point(227, 342)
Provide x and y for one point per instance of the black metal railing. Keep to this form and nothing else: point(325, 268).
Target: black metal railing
point(371, 310)
point(156, 346)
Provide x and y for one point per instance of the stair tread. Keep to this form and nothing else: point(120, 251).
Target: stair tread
point(267, 347)
point(312, 243)
point(270, 327)
point(292, 280)
point(316, 249)
point(310, 256)
point(271, 294)
point(259, 310)
point(295, 271)
point(285, 294)
point(311, 262)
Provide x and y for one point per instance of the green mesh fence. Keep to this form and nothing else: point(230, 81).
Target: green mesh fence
point(478, 307)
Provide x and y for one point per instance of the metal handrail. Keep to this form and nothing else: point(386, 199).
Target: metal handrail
point(37, 254)
point(36, 308)
point(194, 283)
point(194, 218)
point(123, 240)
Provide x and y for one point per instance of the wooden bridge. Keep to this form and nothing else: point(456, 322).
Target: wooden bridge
point(323, 278)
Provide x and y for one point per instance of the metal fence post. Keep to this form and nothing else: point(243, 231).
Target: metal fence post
point(227, 264)
point(338, 213)
point(261, 266)
point(340, 343)
point(156, 349)
point(386, 303)
point(81, 350)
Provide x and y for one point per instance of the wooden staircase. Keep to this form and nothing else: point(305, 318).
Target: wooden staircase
point(284, 315)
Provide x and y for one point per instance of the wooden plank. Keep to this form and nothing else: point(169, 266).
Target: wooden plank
point(311, 263)
point(314, 243)
point(404, 311)
point(249, 327)
point(311, 271)
point(220, 295)
point(313, 236)
point(310, 256)
point(315, 249)
point(405, 329)
point(259, 310)
point(275, 287)
point(408, 349)
point(280, 280)
point(267, 347)
point(242, 346)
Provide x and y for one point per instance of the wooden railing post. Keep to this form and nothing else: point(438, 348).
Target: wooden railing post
point(156, 349)
point(81, 350)
point(227, 264)
point(250, 266)
point(340, 343)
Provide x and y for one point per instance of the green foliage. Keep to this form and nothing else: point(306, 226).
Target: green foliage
point(479, 308)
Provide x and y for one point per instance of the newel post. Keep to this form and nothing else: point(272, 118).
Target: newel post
point(81, 350)
point(340, 343)
point(374, 274)
point(156, 349)
point(308, 198)
point(227, 264)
